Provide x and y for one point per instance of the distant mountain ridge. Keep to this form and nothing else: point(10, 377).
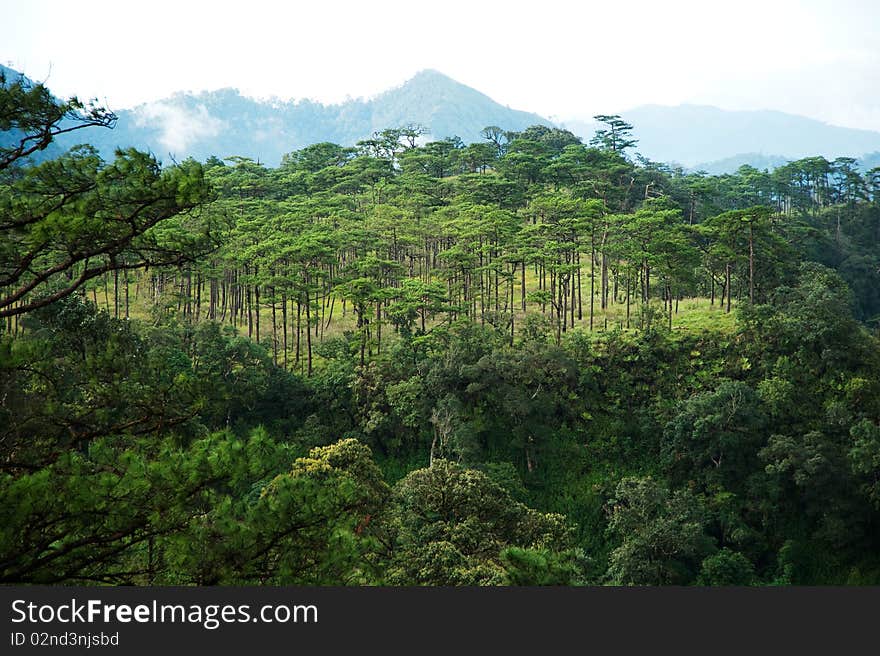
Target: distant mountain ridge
point(759, 161)
point(713, 139)
point(225, 123)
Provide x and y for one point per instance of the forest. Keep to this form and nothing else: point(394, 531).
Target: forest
point(527, 360)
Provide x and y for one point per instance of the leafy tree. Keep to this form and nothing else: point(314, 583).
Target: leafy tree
point(661, 533)
point(316, 157)
point(726, 568)
point(310, 525)
point(715, 436)
point(454, 526)
point(616, 136)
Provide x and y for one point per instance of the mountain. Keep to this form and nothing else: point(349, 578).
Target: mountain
point(447, 107)
point(699, 136)
point(225, 123)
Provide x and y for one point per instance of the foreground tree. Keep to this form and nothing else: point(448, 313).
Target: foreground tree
point(31, 118)
point(75, 218)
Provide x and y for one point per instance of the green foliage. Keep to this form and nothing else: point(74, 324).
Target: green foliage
point(101, 515)
point(31, 118)
point(455, 526)
point(309, 525)
point(75, 218)
point(865, 458)
point(726, 568)
point(661, 533)
point(512, 362)
point(616, 137)
point(715, 436)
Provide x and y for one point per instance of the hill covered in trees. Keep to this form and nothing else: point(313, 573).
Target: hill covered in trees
point(527, 360)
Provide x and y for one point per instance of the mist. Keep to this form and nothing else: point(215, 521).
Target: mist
point(178, 127)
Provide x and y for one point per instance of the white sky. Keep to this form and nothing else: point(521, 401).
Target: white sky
point(819, 58)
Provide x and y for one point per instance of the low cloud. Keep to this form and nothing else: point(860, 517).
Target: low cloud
point(179, 127)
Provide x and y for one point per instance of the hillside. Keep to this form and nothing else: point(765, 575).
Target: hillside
point(542, 365)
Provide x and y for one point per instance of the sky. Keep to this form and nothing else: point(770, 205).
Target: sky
point(563, 60)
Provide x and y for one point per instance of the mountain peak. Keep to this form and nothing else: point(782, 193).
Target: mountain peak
point(429, 80)
point(446, 107)
point(430, 75)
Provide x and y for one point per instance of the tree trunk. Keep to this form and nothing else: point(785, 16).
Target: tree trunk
point(751, 266)
point(592, 281)
point(727, 285)
point(274, 329)
point(308, 334)
point(284, 327)
point(257, 308)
